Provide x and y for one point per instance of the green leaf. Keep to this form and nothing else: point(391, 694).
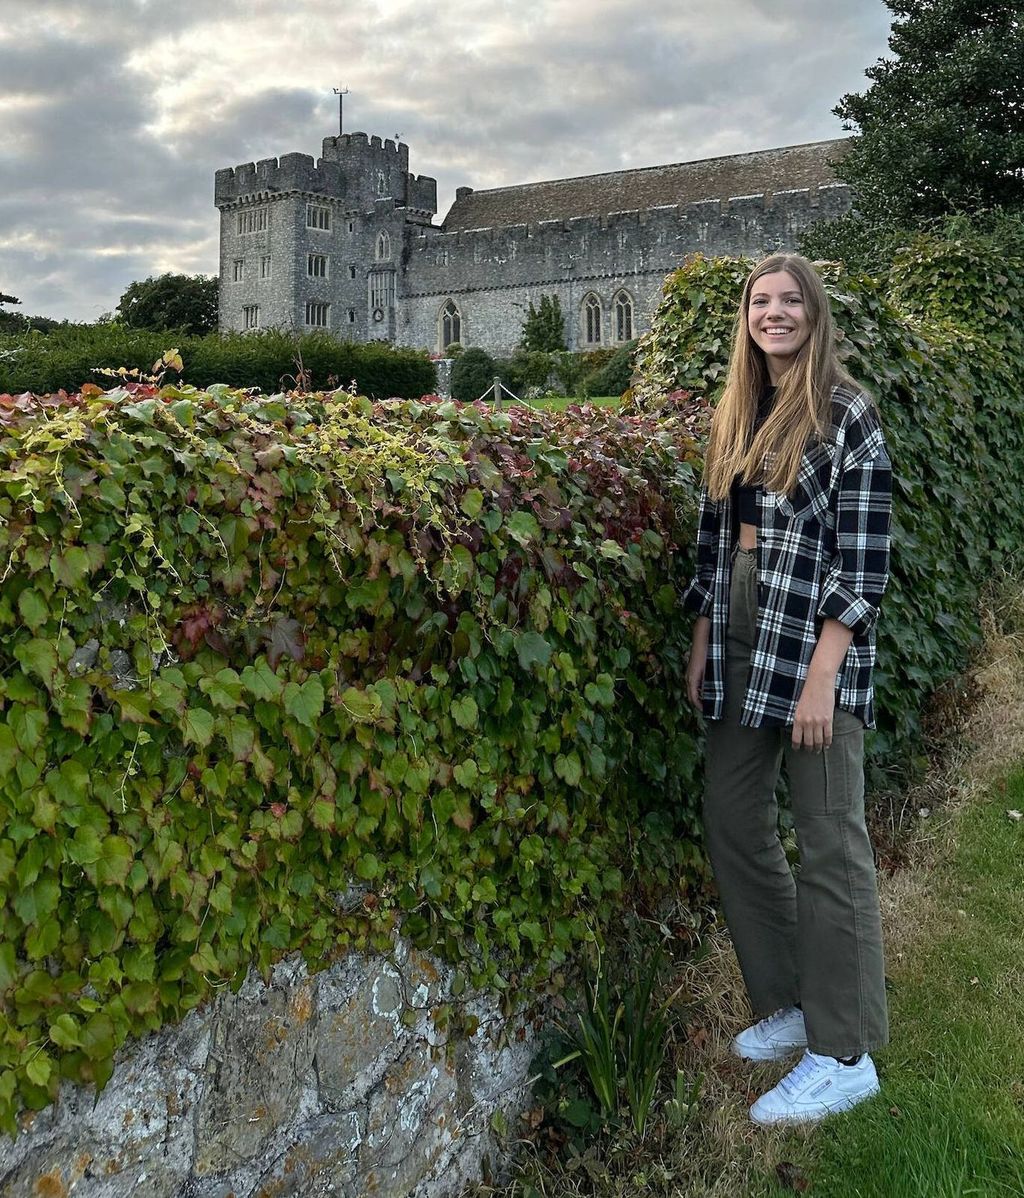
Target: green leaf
point(38, 657)
point(115, 862)
point(532, 650)
point(33, 609)
point(360, 706)
point(467, 773)
point(523, 527)
point(368, 866)
point(472, 502)
point(198, 726)
point(465, 712)
point(35, 902)
point(70, 567)
point(304, 703)
point(38, 1069)
point(64, 1031)
point(224, 689)
point(261, 681)
point(569, 768)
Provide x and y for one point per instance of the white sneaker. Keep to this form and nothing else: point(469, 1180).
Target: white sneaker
point(778, 1036)
point(817, 1087)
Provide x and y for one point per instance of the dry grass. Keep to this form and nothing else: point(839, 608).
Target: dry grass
point(720, 1154)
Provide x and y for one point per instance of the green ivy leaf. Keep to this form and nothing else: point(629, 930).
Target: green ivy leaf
point(472, 502)
point(465, 712)
point(198, 726)
point(33, 608)
point(261, 681)
point(304, 703)
point(532, 650)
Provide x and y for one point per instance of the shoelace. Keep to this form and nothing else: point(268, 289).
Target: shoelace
point(770, 1022)
point(796, 1077)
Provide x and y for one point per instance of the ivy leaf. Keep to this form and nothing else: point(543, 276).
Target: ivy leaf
point(260, 680)
point(368, 866)
point(360, 706)
point(304, 703)
point(70, 567)
point(569, 768)
point(198, 726)
point(472, 502)
point(523, 527)
point(465, 712)
point(115, 863)
point(38, 1069)
point(224, 689)
point(466, 773)
point(532, 649)
point(38, 657)
point(33, 609)
point(35, 902)
point(286, 640)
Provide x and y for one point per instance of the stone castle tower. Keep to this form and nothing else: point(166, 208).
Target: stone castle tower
point(347, 244)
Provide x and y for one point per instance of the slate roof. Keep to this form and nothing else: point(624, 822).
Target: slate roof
point(762, 172)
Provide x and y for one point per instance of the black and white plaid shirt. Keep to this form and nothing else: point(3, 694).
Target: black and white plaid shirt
point(822, 553)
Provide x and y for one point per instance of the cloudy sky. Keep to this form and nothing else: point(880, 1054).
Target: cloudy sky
point(114, 114)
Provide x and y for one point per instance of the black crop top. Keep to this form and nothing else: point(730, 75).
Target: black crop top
point(744, 498)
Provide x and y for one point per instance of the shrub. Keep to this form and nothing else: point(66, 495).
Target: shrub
point(614, 376)
point(258, 653)
point(544, 327)
point(473, 372)
point(67, 358)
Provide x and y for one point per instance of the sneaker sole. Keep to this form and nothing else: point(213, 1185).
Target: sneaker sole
point(766, 1053)
point(794, 1120)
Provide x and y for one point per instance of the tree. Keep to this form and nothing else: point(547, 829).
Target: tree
point(185, 303)
point(472, 373)
point(544, 327)
point(9, 299)
point(942, 124)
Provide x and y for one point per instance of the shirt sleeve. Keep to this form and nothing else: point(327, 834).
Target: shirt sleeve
point(698, 596)
point(858, 573)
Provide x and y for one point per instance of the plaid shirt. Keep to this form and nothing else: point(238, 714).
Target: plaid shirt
point(824, 552)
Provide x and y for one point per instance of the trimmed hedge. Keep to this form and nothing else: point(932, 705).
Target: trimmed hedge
point(278, 673)
point(67, 358)
point(940, 344)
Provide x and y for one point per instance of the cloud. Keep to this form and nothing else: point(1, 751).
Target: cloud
point(115, 114)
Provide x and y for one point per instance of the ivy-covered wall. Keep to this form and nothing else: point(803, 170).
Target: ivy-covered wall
point(278, 674)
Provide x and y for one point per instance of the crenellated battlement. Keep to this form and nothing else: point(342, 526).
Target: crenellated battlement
point(290, 172)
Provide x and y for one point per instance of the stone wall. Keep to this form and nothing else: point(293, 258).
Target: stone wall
point(337, 1083)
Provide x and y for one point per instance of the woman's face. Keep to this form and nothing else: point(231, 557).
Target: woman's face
point(777, 320)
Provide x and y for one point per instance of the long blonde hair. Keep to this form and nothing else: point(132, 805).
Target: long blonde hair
point(802, 401)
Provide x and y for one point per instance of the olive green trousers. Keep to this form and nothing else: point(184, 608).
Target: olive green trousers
point(815, 939)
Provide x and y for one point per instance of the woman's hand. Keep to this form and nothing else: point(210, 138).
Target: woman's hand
point(697, 662)
point(812, 724)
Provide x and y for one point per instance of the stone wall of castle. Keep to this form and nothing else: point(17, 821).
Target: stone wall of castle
point(493, 274)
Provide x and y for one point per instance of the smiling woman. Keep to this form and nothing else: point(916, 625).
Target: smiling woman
point(792, 560)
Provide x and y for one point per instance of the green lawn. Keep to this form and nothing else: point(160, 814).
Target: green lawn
point(950, 1119)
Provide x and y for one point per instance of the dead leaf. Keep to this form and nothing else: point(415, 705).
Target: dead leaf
point(1015, 815)
point(792, 1177)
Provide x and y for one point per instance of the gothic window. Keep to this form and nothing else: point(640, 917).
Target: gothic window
point(592, 320)
point(318, 217)
point(316, 266)
point(623, 317)
point(317, 314)
point(382, 184)
point(351, 272)
point(450, 325)
point(251, 316)
point(239, 270)
point(383, 247)
point(265, 267)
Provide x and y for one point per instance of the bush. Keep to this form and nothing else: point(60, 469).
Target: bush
point(614, 376)
point(256, 653)
point(939, 343)
point(473, 372)
point(67, 358)
point(544, 327)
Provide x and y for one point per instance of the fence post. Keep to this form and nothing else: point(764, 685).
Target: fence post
point(496, 386)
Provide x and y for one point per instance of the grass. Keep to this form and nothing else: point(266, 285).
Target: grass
point(950, 1119)
point(558, 403)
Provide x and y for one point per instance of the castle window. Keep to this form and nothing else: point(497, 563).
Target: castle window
point(592, 320)
point(316, 266)
point(383, 247)
point(351, 272)
point(450, 321)
point(317, 314)
point(382, 289)
point(382, 184)
point(623, 317)
point(239, 270)
point(265, 267)
point(251, 316)
point(351, 226)
point(318, 217)
point(252, 220)
point(351, 316)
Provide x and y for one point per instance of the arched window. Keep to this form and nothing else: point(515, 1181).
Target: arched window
point(623, 317)
point(592, 320)
point(450, 322)
point(383, 247)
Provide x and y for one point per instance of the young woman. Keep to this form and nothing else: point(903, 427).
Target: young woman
point(792, 560)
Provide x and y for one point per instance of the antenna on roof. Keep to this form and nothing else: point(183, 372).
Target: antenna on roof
point(341, 93)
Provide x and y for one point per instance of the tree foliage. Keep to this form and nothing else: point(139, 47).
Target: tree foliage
point(942, 124)
point(544, 326)
point(180, 303)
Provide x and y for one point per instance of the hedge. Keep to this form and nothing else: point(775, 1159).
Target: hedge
point(278, 673)
point(68, 358)
point(940, 344)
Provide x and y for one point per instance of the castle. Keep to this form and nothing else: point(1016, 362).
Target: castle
point(347, 244)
